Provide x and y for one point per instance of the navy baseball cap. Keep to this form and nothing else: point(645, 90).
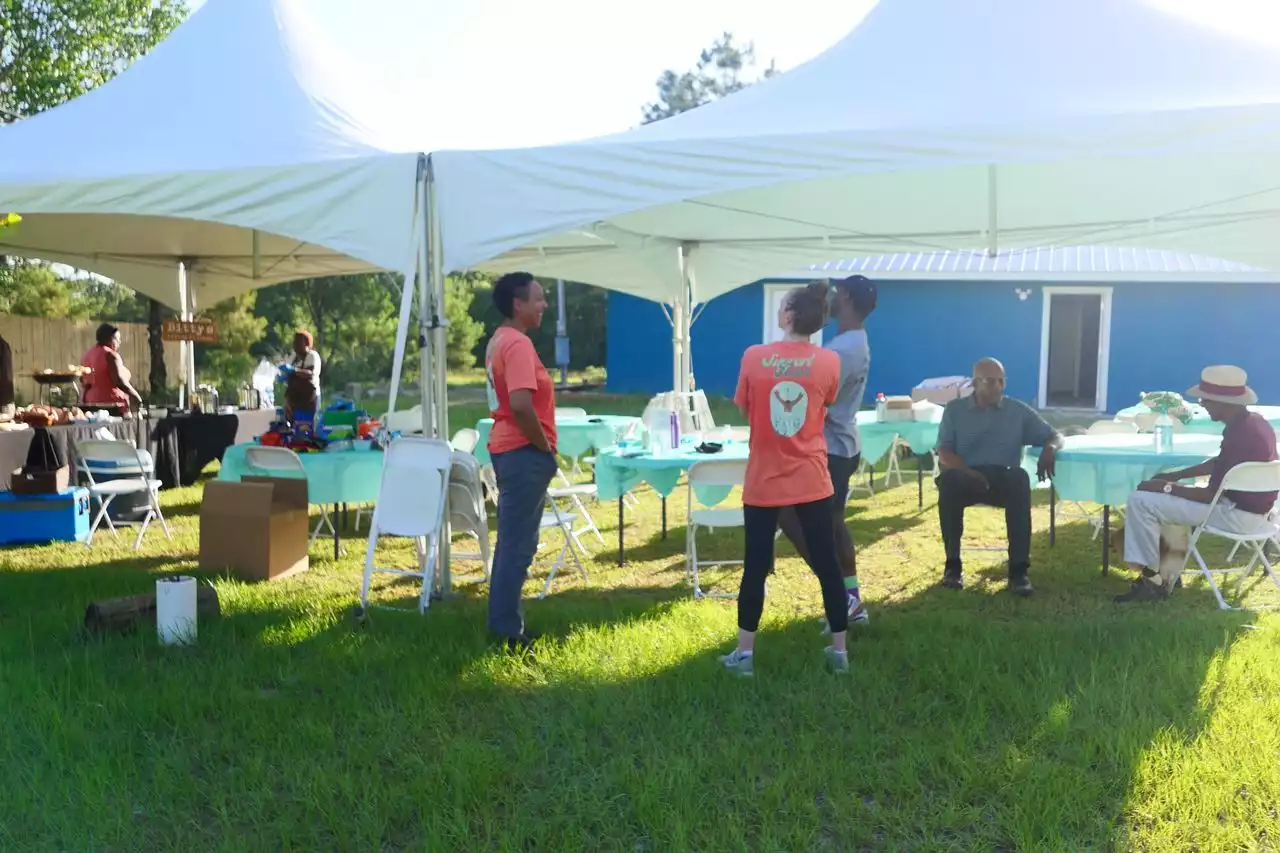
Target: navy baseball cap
point(860, 290)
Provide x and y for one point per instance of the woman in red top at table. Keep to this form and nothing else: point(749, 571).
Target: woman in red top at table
point(784, 389)
point(522, 446)
point(109, 382)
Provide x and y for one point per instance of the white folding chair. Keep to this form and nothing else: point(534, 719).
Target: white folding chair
point(894, 469)
point(1245, 477)
point(408, 422)
point(577, 494)
point(283, 462)
point(563, 520)
point(714, 472)
point(571, 413)
point(466, 507)
point(411, 501)
point(465, 440)
point(101, 453)
point(861, 481)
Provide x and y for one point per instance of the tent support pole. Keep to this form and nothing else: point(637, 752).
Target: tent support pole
point(182, 345)
point(683, 322)
point(257, 254)
point(413, 273)
point(434, 343)
point(993, 211)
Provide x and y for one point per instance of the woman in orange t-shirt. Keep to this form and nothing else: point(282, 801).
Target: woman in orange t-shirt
point(522, 446)
point(784, 389)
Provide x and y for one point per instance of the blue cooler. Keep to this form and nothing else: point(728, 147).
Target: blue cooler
point(57, 517)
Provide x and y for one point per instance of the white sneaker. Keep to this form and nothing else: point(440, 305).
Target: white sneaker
point(857, 615)
point(739, 663)
point(837, 662)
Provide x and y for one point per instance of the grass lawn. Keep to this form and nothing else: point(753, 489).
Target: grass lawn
point(970, 721)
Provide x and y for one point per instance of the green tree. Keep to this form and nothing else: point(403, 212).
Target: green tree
point(718, 72)
point(464, 330)
point(33, 290)
point(229, 363)
point(51, 52)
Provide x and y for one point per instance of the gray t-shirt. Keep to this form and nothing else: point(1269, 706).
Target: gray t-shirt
point(841, 427)
point(991, 435)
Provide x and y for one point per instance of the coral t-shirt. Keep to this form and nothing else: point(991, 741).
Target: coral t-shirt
point(512, 364)
point(785, 388)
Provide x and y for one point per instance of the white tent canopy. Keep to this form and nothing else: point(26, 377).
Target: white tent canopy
point(933, 125)
point(246, 145)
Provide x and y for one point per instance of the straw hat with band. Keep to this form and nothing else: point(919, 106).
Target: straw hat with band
point(1224, 383)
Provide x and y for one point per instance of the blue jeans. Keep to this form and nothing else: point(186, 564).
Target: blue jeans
point(523, 477)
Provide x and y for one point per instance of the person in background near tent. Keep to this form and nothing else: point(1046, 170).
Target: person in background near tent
point(980, 444)
point(1224, 392)
point(784, 389)
point(852, 301)
point(109, 382)
point(7, 392)
point(302, 391)
point(522, 446)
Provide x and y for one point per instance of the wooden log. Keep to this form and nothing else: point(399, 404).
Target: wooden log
point(125, 614)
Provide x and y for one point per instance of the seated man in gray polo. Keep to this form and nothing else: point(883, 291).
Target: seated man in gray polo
point(980, 446)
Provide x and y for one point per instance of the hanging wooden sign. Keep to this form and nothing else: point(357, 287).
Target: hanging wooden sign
point(200, 331)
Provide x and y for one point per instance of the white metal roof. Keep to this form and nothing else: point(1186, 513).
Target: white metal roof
point(1069, 263)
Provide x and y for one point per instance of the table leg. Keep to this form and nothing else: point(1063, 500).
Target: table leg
point(1053, 514)
point(664, 517)
point(621, 553)
point(336, 541)
point(920, 482)
point(1106, 539)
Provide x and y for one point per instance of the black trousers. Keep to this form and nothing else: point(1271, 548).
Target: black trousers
point(818, 525)
point(1008, 488)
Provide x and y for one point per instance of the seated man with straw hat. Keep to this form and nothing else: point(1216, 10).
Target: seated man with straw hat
point(1164, 501)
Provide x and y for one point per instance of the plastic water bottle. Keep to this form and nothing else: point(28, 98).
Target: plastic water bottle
point(1163, 433)
point(675, 431)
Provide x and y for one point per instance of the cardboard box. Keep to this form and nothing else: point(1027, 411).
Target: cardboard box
point(48, 482)
point(258, 528)
point(941, 396)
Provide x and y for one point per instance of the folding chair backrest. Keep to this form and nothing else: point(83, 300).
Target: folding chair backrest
point(407, 422)
point(463, 504)
point(411, 496)
point(1112, 428)
point(1253, 477)
point(570, 413)
point(280, 460)
point(119, 457)
point(716, 472)
point(465, 472)
point(465, 440)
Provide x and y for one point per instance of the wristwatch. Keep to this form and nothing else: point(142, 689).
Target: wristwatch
point(1168, 488)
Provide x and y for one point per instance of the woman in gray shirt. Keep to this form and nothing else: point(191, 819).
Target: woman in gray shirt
point(852, 301)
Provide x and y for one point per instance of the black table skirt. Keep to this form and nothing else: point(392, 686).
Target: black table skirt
point(184, 445)
point(14, 444)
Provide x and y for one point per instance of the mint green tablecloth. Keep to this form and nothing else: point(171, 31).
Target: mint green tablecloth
point(1105, 469)
point(616, 475)
point(877, 437)
point(574, 436)
point(332, 478)
point(1200, 422)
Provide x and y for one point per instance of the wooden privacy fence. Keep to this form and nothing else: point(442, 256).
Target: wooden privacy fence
point(54, 343)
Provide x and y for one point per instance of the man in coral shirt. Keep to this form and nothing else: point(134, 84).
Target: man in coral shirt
point(522, 446)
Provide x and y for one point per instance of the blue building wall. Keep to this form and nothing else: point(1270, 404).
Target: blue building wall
point(1161, 336)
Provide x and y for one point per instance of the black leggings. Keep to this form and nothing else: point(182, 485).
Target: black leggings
point(817, 522)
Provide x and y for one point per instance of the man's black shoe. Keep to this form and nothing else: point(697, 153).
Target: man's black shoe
point(953, 579)
point(1020, 585)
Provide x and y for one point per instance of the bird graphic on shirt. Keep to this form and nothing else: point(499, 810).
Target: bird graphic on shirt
point(787, 405)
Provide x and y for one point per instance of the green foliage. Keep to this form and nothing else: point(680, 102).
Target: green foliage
point(229, 364)
point(717, 73)
point(51, 52)
point(33, 289)
point(464, 330)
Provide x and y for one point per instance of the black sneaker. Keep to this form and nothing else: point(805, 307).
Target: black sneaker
point(1142, 590)
point(953, 579)
point(1020, 585)
point(521, 646)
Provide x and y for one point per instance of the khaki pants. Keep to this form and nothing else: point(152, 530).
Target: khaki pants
point(1157, 529)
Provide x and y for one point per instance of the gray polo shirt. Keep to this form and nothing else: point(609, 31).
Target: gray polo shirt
point(841, 427)
point(991, 435)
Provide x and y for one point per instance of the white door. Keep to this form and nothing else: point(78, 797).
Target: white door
point(1075, 342)
point(773, 296)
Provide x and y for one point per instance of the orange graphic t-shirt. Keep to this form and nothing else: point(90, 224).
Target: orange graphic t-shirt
point(512, 364)
point(785, 388)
